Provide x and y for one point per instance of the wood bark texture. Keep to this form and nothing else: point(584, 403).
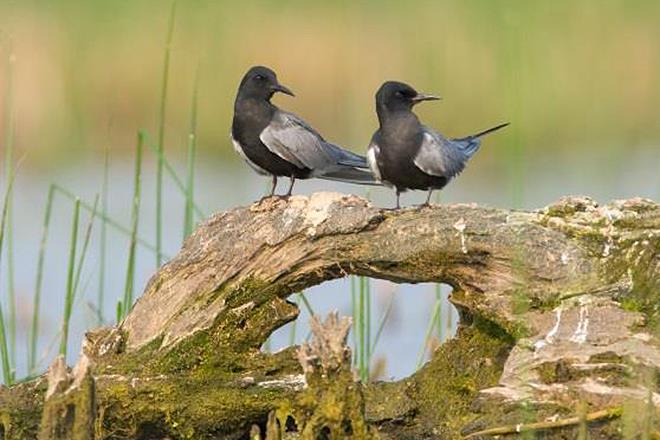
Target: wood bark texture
point(560, 311)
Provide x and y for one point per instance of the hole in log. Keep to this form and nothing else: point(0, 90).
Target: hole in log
point(347, 427)
point(290, 425)
point(151, 429)
point(405, 324)
point(324, 434)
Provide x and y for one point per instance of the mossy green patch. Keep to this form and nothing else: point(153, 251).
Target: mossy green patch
point(206, 384)
point(562, 371)
point(20, 410)
point(231, 345)
point(332, 406)
point(390, 402)
point(182, 408)
point(70, 414)
point(447, 385)
point(635, 263)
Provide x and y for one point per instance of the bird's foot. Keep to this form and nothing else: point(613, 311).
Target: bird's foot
point(271, 197)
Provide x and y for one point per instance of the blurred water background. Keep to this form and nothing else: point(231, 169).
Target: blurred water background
point(579, 80)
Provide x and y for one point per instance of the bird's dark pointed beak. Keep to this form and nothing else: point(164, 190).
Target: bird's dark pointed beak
point(424, 97)
point(282, 89)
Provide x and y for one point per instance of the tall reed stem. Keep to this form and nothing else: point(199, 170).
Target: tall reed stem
point(429, 332)
point(161, 138)
point(190, 175)
point(9, 176)
point(34, 330)
point(68, 299)
point(7, 371)
point(135, 213)
point(104, 236)
point(85, 246)
point(106, 219)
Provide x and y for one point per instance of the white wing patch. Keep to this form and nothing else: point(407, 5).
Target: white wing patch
point(372, 153)
point(254, 166)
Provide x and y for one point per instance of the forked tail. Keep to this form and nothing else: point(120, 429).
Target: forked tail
point(470, 144)
point(490, 130)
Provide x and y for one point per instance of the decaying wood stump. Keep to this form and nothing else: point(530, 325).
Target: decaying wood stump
point(70, 405)
point(559, 326)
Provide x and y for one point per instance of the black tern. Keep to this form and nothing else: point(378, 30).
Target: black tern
point(280, 144)
point(405, 154)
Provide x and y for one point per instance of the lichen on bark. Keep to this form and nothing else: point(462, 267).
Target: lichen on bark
point(558, 307)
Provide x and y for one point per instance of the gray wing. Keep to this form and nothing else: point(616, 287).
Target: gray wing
point(346, 158)
point(439, 156)
point(293, 140)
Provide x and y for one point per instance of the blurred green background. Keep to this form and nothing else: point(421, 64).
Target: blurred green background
point(579, 81)
point(570, 75)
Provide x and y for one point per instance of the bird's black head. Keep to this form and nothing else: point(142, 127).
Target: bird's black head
point(395, 96)
point(261, 83)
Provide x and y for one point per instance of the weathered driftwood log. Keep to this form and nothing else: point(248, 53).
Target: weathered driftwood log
point(559, 311)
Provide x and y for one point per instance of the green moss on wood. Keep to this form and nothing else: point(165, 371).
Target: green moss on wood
point(447, 385)
point(332, 406)
point(181, 408)
point(20, 410)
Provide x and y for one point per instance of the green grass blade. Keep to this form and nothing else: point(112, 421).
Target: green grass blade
point(360, 327)
point(429, 331)
point(306, 303)
point(449, 321)
point(367, 342)
point(161, 140)
point(362, 358)
point(9, 176)
point(190, 177)
point(7, 372)
point(438, 323)
point(34, 330)
point(292, 330)
point(354, 312)
point(383, 321)
point(68, 299)
point(119, 312)
point(72, 284)
point(114, 223)
point(4, 352)
point(104, 236)
point(83, 252)
point(172, 173)
point(135, 213)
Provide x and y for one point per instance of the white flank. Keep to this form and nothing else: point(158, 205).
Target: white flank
point(373, 163)
point(254, 166)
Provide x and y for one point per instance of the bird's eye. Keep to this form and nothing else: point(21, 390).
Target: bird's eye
point(399, 93)
point(259, 77)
